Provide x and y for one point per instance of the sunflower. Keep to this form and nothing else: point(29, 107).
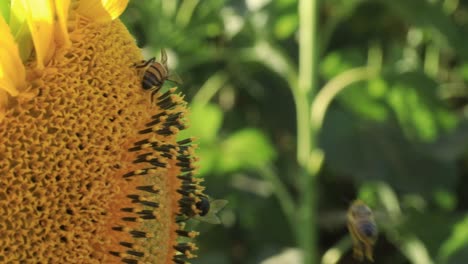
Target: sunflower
point(91, 169)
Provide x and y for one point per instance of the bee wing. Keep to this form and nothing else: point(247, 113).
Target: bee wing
point(332, 220)
point(163, 57)
point(217, 205)
point(209, 218)
point(174, 77)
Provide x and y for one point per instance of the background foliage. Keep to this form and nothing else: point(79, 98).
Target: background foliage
point(395, 133)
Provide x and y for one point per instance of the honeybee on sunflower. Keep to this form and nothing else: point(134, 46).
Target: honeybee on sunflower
point(155, 73)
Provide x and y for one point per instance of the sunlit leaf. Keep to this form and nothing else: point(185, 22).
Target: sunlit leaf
point(420, 113)
point(337, 62)
point(205, 122)
point(208, 159)
point(286, 25)
point(367, 99)
point(455, 247)
point(247, 148)
point(445, 199)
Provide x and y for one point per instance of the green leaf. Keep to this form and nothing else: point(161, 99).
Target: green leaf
point(245, 149)
point(205, 122)
point(410, 98)
point(367, 99)
point(464, 71)
point(451, 146)
point(366, 150)
point(208, 159)
point(419, 111)
point(454, 249)
point(445, 200)
point(340, 61)
point(422, 225)
point(5, 10)
point(286, 25)
point(430, 14)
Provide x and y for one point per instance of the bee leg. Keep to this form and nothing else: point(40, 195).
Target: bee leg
point(144, 63)
point(153, 93)
point(181, 218)
point(358, 251)
point(358, 245)
point(368, 251)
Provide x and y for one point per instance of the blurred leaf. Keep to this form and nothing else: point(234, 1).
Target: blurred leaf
point(459, 256)
point(286, 25)
point(412, 99)
point(371, 151)
point(421, 114)
point(256, 5)
point(464, 71)
point(345, 4)
point(431, 227)
point(290, 255)
point(455, 247)
point(208, 159)
point(285, 3)
point(451, 146)
point(415, 250)
point(340, 61)
point(205, 121)
point(445, 200)
point(247, 148)
point(429, 14)
point(366, 99)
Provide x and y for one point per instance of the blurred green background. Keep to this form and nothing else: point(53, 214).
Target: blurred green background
point(391, 89)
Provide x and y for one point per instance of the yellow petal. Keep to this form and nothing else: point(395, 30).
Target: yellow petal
point(61, 8)
point(40, 19)
point(12, 72)
point(102, 10)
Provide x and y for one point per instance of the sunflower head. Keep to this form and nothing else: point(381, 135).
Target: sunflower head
point(92, 169)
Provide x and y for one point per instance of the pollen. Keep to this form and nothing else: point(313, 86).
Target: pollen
point(91, 170)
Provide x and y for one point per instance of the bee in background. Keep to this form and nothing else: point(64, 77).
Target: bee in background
point(363, 230)
point(155, 73)
point(208, 210)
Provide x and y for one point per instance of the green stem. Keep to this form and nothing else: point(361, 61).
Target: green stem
point(210, 88)
point(306, 145)
point(186, 10)
point(332, 88)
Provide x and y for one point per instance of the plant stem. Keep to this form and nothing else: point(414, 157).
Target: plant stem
point(332, 88)
point(306, 136)
point(210, 88)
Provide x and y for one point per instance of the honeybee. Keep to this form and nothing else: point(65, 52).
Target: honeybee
point(363, 229)
point(209, 208)
point(155, 73)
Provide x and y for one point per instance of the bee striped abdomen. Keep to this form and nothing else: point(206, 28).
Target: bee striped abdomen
point(154, 76)
point(155, 73)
